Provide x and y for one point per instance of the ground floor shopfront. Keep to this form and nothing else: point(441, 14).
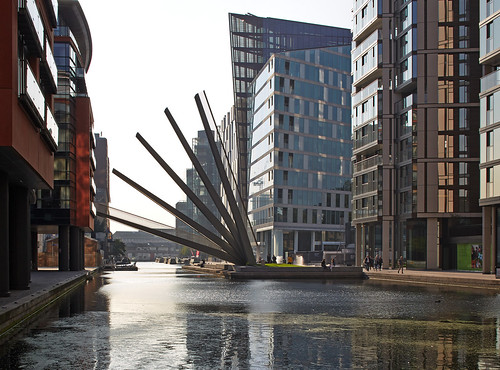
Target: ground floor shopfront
point(427, 243)
point(282, 242)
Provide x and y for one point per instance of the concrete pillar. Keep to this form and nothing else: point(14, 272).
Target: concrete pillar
point(432, 245)
point(82, 250)
point(359, 245)
point(19, 238)
point(488, 245)
point(4, 236)
point(386, 244)
point(295, 241)
point(34, 251)
point(74, 248)
point(278, 242)
point(63, 247)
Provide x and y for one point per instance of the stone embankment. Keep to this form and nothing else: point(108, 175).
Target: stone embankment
point(46, 287)
point(263, 272)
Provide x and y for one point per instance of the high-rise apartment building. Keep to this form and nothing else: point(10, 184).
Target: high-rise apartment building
point(301, 148)
point(69, 209)
point(253, 41)
point(28, 130)
point(103, 195)
point(415, 113)
point(489, 57)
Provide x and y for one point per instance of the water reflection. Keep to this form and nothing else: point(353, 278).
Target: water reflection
point(161, 318)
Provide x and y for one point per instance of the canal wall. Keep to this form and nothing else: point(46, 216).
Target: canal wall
point(455, 279)
point(46, 287)
point(263, 272)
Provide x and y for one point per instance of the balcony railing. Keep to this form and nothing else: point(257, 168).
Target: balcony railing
point(365, 140)
point(52, 7)
point(31, 24)
point(490, 81)
point(49, 67)
point(30, 93)
point(365, 93)
point(363, 213)
point(366, 44)
point(364, 188)
point(92, 159)
point(374, 161)
point(52, 128)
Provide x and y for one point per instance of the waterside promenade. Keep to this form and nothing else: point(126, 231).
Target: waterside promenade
point(445, 278)
point(47, 285)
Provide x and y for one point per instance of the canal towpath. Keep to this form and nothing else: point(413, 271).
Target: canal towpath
point(47, 285)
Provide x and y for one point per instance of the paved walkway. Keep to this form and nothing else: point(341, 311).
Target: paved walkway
point(46, 285)
point(453, 278)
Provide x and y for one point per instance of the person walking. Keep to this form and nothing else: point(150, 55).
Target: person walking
point(400, 264)
point(367, 262)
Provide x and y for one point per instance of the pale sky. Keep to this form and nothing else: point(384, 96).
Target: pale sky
point(149, 55)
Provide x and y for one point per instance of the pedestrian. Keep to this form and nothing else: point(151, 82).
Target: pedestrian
point(376, 261)
point(400, 264)
point(332, 265)
point(323, 264)
point(274, 258)
point(380, 262)
point(367, 262)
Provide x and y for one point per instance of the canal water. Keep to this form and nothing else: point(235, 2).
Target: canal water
point(161, 317)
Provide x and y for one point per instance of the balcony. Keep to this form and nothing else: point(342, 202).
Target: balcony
point(364, 189)
point(488, 8)
point(364, 213)
point(370, 138)
point(367, 163)
point(93, 210)
point(31, 26)
point(30, 94)
point(490, 81)
point(48, 68)
point(52, 8)
point(365, 93)
point(366, 19)
point(92, 159)
point(51, 130)
point(93, 186)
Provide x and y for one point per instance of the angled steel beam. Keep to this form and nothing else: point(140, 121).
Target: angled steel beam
point(204, 110)
point(188, 243)
point(191, 195)
point(230, 222)
point(181, 216)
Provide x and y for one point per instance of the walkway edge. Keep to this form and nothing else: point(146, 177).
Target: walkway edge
point(15, 314)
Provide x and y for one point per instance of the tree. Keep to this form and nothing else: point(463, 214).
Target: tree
point(118, 248)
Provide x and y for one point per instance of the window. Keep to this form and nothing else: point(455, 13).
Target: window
point(489, 138)
point(364, 11)
point(290, 196)
point(489, 102)
point(489, 27)
point(285, 140)
point(364, 59)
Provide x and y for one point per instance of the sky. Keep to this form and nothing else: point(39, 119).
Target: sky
point(155, 54)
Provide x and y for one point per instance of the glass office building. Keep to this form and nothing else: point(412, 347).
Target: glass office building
point(300, 162)
point(253, 41)
point(415, 112)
